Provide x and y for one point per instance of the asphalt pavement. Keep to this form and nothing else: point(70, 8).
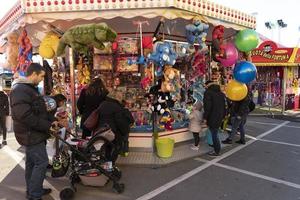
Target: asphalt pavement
point(266, 168)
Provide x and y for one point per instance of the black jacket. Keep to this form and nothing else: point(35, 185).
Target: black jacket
point(116, 116)
point(241, 108)
point(31, 122)
point(86, 104)
point(4, 105)
point(214, 106)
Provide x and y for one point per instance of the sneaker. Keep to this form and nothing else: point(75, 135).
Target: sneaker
point(195, 148)
point(4, 142)
point(124, 154)
point(240, 142)
point(213, 154)
point(227, 141)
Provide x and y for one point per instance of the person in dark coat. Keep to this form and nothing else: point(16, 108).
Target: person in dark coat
point(89, 100)
point(4, 112)
point(119, 119)
point(214, 112)
point(239, 111)
point(31, 124)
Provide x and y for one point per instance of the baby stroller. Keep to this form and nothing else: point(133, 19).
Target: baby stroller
point(90, 164)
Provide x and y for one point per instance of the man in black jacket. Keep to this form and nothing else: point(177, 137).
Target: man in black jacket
point(31, 124)
point(4, 112)
point(239, 111)
point(214, 112)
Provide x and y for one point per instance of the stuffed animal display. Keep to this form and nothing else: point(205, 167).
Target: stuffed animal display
point(25, 52)
point(82, 37)
point(84, 74)
point(166, 121)
point(147, 80)
point(198, 64)
point(12, 50)
point(218, 49)
point(49, 45)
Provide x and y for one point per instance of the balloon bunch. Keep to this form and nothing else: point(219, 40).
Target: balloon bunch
point(162, 55)
point(196, 32)
point(244, 72)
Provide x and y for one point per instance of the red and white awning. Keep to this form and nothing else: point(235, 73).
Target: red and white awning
point(51, 10)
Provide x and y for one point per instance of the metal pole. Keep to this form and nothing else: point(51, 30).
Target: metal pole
point(284, 88)
point(72, 87)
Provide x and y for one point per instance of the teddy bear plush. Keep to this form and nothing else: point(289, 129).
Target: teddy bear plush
point(49, 45)
point(218, 49)
point(12, 50)
point(171, 82)
point(82, 37)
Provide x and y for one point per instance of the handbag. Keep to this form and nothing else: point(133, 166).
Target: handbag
point(105, 132)
point(91, 122)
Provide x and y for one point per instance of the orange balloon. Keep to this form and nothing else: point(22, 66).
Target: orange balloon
point(236, 91)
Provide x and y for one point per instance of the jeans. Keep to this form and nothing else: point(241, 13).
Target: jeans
point(238, 123)
point(35, 169)
point(3, 126)
point(215, 138)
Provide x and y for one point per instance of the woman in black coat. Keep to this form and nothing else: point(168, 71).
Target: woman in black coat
point(89, 100)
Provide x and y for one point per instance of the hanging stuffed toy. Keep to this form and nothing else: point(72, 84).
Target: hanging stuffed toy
point(171, 82)
point(12, 51)
point(49, 45)
point(198, 64)
point(198, 89)
point(147, 80)
point(163, 54)
point(218, 49)
point(25, 52)
point(196, 32)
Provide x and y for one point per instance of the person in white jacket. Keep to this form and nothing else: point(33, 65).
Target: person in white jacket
point(196, 118)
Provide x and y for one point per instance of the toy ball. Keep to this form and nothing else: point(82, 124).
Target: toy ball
point(244, 72)
point(231, 55)
point(246, 40)
point(236, 91)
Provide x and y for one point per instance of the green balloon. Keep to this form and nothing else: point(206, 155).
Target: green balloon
point(246, 40)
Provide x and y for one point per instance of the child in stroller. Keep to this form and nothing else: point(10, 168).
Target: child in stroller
point(90, 164)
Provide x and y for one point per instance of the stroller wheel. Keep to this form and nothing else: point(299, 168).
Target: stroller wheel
point(119, 187)
point(67, 193)
point(117, 173)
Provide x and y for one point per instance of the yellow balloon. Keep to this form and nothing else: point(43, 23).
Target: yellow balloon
point(236, 91)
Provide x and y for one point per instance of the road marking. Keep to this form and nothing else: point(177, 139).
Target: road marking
point(18, 157)
point(191, 173)
point(268, 178)
point(277, 142)
point(264, 123)
point(292, 126)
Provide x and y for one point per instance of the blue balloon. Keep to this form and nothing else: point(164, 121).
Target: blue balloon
point(244, 72)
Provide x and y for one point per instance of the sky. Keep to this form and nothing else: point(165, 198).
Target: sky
point(264, 10)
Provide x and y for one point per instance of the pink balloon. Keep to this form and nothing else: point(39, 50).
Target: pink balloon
point(232, 55)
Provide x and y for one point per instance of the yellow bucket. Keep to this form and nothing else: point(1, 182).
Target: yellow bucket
point(164, 147)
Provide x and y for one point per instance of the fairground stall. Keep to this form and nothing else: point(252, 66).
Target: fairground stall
point(277, 83)
point(150, 35)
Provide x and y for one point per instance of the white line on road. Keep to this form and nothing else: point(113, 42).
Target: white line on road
point(189, 174)
point(18, 157)
point(277, 142)
point(264, 123)
point(275, 180)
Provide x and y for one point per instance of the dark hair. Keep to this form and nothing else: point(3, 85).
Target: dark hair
point(34, 67)
point(97, 87)
point(59, 97)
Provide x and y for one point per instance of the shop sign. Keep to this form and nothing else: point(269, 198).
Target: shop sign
point(268, 52)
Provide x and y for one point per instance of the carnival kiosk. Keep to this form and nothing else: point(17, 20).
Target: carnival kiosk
point(130, 19)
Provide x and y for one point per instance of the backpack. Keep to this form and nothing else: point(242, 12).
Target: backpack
point(251, 105)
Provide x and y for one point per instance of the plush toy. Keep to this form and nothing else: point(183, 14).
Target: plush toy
point(171, 82)
point(147, 80)
point(25, 52)
point(84, 75)
point(49, 45)
point(198, 89)
point(12, 50)
point(166, 120)
point(164, 101)
point(163, 54)
point(81, 37)
point(196, 32)
point(218, 49)
point(198, 64)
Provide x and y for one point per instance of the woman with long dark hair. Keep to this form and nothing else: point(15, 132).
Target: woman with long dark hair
point(89, 100)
